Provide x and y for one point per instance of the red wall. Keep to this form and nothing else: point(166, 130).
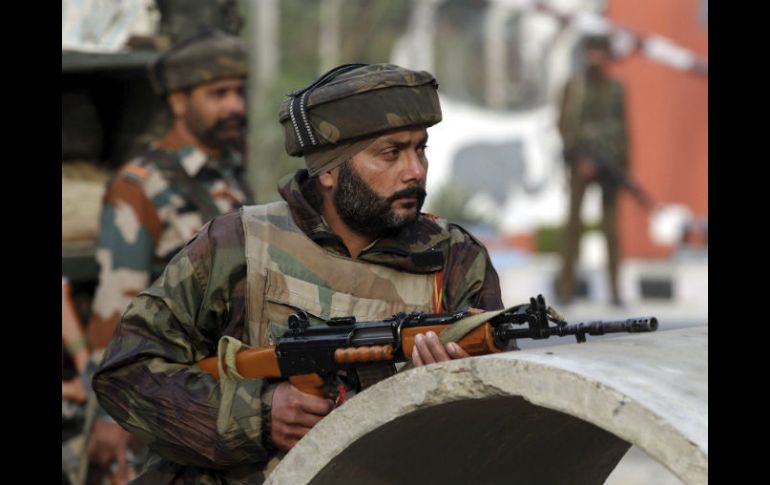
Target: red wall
point(668, 118)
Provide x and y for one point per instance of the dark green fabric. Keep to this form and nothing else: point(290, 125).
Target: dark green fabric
point(358, 103)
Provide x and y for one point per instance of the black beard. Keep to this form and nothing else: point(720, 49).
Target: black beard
point(218, 136)
point(366, 212)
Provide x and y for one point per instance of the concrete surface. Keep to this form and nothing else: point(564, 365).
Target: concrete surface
point(561, 414)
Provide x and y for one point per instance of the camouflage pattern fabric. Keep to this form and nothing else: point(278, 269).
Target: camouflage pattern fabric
point(355, 101)
point(287, 272)
point(148, 381)
point(146, 219)
point(199, 59)
point(331, 156)
point(180, 19)
point(593, 122)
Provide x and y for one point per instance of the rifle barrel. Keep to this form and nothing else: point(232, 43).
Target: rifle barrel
point(630, 325)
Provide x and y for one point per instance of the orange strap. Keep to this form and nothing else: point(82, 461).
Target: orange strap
point(438, 291)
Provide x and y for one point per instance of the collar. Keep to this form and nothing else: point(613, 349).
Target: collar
point(192, 158)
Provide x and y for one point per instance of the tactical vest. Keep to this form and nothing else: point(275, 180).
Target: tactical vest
point(594, 124)
point(287, 271)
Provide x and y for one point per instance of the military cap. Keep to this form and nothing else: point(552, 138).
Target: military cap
point(354, 102)
point(199, 59)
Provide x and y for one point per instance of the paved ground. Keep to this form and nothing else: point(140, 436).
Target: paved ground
point(636, 468)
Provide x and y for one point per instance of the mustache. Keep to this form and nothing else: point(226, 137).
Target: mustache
point(417, 192)
point(239, 120)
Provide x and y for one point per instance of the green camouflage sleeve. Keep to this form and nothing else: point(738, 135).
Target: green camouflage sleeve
point(148, 380)
point(470, 280)
point(128, 229)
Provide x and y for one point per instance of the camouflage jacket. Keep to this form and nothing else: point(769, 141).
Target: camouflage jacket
point(149, 384)
point(592, 121)
point(151, 208)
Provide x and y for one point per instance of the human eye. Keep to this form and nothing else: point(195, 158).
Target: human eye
point(390, 153)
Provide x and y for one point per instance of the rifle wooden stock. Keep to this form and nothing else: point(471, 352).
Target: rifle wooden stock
point(259, 362)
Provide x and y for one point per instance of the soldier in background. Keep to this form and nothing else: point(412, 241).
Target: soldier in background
point(593, 129)
point(158, 201)
point(348, 239)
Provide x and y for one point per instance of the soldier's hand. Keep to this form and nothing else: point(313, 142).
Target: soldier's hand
point(294, 413)
point(587, 169)
point(108, 443)
point(73, 390)
point(122, 472)
point(428, 349)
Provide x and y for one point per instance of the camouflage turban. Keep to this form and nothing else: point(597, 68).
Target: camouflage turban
point(202, 58)
point(344, 111)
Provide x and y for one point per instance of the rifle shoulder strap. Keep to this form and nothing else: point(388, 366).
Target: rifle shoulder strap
point(461, 328)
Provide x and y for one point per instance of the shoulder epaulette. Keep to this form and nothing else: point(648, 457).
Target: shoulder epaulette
point(134, 172)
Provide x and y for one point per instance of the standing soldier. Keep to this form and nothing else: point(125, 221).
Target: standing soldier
point(593, 128)
point(158, 201)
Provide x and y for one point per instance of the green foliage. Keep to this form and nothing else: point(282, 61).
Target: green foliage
point(549, 238)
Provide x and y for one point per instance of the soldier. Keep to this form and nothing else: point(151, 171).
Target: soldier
point(348, 239)
point(158, 201)
point(593, 129)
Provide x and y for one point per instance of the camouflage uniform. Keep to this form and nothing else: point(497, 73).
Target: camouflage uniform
point(593, 126)
point(149, 384)
point(243, 274)
point(157, 202)
point(149, 214)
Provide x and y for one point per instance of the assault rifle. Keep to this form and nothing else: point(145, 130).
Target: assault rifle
point(311, 356)
point(615, 176)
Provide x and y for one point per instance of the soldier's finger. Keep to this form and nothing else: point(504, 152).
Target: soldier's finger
point(120, 457)
point(436, 347)
point(416, 360)
point(103, 456)
point(123, 472)
point(455, 351)
point(421, 344)
point(307, 420)
point(286, 436)
point(296, 431)
point(315, 405)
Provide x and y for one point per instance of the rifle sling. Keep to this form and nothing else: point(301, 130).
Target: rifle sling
point(461, 328)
